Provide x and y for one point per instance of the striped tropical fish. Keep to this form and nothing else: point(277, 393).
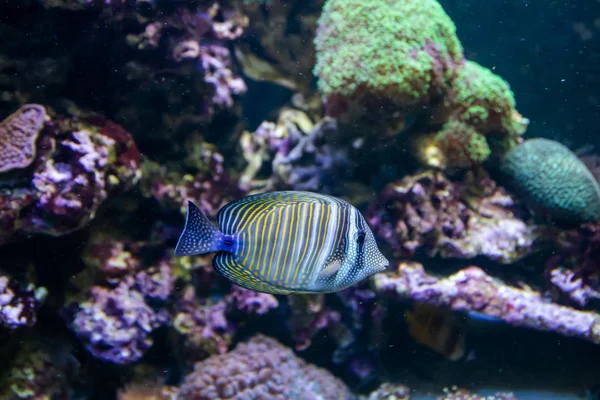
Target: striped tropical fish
point(286, 242)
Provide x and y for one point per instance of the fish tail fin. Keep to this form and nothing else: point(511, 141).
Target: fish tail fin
point(199, 235)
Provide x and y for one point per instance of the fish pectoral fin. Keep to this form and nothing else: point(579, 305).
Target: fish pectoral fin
point(330, 269)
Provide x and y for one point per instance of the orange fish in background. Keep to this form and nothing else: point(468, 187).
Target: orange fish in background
point(439, 329)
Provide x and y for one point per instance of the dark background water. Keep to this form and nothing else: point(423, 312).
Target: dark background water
point(549, 52)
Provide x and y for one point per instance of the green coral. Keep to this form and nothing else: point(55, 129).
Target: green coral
point(553, 180)
point(402, 51)
point(484, 100)
point(462, 145)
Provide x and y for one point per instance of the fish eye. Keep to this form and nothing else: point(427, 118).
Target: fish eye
point(360, 237)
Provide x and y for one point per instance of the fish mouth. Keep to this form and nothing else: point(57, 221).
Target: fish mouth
point(384, 264)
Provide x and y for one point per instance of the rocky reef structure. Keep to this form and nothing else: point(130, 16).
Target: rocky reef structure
point(68, 168)
point(448, 219)
point(300, 153)
point(120, 112)
point(258, 368)
point(472, 289)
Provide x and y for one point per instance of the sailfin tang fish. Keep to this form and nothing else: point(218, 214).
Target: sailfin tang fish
point(286, 242)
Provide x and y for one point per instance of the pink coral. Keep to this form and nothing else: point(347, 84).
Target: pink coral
point(18, 134)
point(471, 289)
point(260, 369)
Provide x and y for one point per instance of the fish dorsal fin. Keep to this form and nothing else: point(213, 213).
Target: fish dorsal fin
point(234, 216)
point(229, 266)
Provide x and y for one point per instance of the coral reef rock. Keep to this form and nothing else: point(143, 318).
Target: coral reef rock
point(471, 289)
point(260, 368)
point(441, 216)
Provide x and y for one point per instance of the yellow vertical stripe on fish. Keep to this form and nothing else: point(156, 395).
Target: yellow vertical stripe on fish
point(291, 241)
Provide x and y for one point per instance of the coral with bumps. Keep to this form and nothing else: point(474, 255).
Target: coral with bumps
point(18, 134)
point(481, 117)
point(431, 212)
point(18, 303)
point(471, 289)
point(393, 55)
point(79, 163)
point(115, 324)
point(260, 368)
point(554, 181)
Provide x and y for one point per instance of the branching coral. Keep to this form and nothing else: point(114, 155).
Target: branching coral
point(471, 289)
point(431, 212)
point(260, 368)
point(301, 154)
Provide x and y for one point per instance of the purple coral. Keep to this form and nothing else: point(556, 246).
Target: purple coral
point(260, 368)
point(575, 270)
point(115, 324)
point(471, 289)
point(206, 328)
point(18, 304)
point(78, 164)
point(429, 211)
point(299, 153)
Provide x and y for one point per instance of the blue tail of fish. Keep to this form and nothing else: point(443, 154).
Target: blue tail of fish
point(199, 235)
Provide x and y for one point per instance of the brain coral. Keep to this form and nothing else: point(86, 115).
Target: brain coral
point(553, 180)
point(18, 133)
point(260, 369)
point(384, 53)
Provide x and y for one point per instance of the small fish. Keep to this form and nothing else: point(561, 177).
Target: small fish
point(286, 242)
point(439, 329)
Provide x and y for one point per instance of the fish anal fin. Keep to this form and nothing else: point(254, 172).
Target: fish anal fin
point(228, 266)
